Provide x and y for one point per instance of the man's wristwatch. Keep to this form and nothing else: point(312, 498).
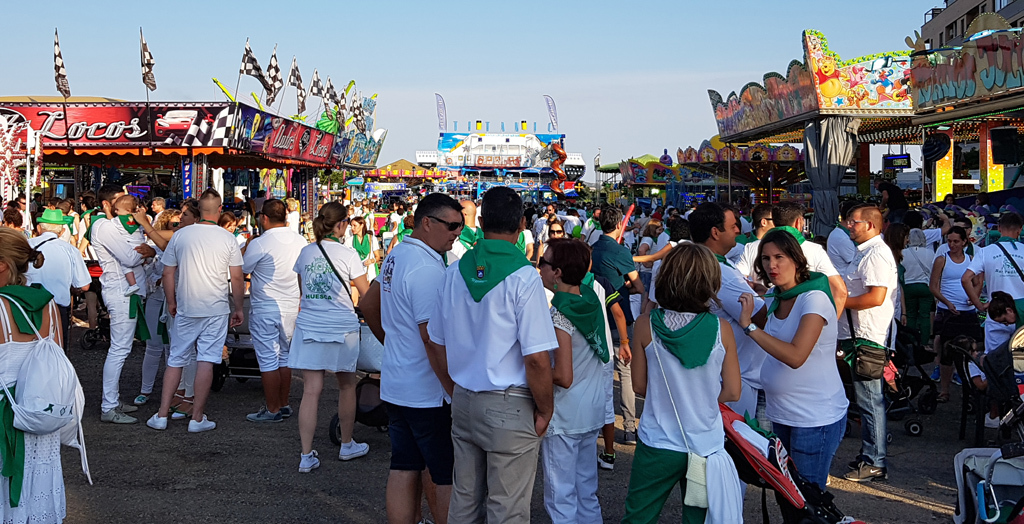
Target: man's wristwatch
point(751, 327)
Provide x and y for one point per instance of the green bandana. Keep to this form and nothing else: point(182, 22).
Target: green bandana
point(129, 223)
point(12, 449)
point(588, 280)
point(362, 246)
point(817, 281)
point(487, 264)
point(745, 239)
point(692, 343)
point(88, 231)
point(723, 260)
point(33, 299)
point(791, 230)
point(403, 233)
point(1012, 241)
point(844, 228)
point(138, 312)
point(469, 236)
point(521, 243)
point(584, 311)
point(577, 231)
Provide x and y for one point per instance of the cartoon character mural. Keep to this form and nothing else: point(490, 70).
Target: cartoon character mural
point(871, 82)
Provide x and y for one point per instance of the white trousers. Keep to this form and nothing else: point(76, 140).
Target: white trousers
point(156, 350)
point(122, 334)
point(570, 478)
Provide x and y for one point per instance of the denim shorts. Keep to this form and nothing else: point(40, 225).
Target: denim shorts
point(422, 438)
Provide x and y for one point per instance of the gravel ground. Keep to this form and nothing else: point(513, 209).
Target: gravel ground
point(243, 472)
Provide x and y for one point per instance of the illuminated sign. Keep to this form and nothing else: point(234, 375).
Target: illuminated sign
point(896, 161)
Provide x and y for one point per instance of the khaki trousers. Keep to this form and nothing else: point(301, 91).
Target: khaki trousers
point(496, 449)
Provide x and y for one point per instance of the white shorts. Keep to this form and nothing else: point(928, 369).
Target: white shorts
point(271, 333)
point(205, 335)
point(327, 356)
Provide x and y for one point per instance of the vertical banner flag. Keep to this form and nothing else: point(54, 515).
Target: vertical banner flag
point(442, 114)
point(316, 87)
point(251, 67)
point(330, 95)
point(59, 72)
point(295, 80)
point(274, 78)
point(147, 64)
point(552, 113)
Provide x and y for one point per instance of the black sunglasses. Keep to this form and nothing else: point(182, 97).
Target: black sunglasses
point(544, 262)
point(556, 231)
point(452, 226)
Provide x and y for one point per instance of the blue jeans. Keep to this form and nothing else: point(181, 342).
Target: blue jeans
point(871, 402)
point(812, 449)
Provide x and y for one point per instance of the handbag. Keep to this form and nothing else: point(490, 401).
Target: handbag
point(869, 359)
point(696, 466)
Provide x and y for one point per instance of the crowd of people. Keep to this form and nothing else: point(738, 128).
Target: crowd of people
point(504, 326)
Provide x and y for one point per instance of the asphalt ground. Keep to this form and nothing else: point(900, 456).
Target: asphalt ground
point(247, 472)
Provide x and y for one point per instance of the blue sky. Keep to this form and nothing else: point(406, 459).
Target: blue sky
point(627, 77)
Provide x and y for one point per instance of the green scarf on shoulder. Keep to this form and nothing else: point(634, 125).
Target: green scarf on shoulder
point(791, 230)
point(817, 281)
point(12, 449)
point(88, 231)
point(521, 243)
point(723, 260)
point(362, 246)
point(745, 238)
point(692, 343)
point(403, 233)
point(469, 236)
point(129, 223)
point(584, 311)
point(33, 299)
point(489, 263)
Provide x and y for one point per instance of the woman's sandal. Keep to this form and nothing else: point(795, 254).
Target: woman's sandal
point(177, 413)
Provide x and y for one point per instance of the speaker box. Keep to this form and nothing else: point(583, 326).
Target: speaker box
point(1006, 145)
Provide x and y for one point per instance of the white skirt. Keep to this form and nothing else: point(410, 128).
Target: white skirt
point(326, 356)
point(42, 490)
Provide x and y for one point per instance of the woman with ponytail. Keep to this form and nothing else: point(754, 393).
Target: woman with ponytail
point(32, 487)
point(326, 334)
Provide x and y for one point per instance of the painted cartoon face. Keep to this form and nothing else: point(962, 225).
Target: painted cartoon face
point(827, 65)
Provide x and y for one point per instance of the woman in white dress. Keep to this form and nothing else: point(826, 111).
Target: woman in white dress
point(326, 334)
point(40, 498)
point(365, 244)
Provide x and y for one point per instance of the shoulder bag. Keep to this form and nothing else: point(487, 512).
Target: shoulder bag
point(869, 360)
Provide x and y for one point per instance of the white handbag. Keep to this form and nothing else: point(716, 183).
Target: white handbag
point(371, 351)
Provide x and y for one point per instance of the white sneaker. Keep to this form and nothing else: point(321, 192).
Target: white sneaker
point(309, 462)
point(132, 289)
point(157, 422)
point(201, 426)
point(353, 449)
point(991, 423)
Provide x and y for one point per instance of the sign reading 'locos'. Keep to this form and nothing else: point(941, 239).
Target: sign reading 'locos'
point(273, 135)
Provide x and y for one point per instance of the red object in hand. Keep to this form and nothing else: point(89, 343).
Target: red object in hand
point(625, 221)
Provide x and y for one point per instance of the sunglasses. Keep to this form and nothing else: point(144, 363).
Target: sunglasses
point(452, 226)
point(556, 231)
point(544, 262)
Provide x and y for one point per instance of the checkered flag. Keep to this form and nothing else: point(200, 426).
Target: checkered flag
point(274, 77)
point(295, 80)
point(60, 74)
point(221, 127)
point(330, 95)
point(251, 66)
point(358, 113)
point(147, 64)
point(316, 87)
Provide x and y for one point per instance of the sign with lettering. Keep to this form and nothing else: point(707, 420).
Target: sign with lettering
point(898, 162)
point(262, 132)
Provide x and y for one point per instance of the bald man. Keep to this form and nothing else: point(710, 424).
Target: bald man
point(871, 282)
point(470, 233)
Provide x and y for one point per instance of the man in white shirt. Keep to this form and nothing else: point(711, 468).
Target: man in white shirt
point(113, 253)
point(842, 250)
point(716, 228)
point(493, 325)
point(63, 267)
point(790, 216)
point(591, 232)
point(871, 280)
point(202, 266)
point(414, 380)
point(469, 235)
point(992, 265)
point(157, 207)
point(761, 216)
point(274, 304)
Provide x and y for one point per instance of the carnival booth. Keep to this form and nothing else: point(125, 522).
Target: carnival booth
point(767, 170)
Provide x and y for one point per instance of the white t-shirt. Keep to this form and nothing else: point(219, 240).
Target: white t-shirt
point(649, 242)
point(874, 266)
point(539, 226)
point(751, 356)
point(918, 263)
point(410, 285)
point(663, 240)
point(811, 395)
point(841, 250)
point(203, 254)
point(326, 310)
point(817, 259)
point(63, 268)
point(999, 273)
point(527, 236)
point(294, 221)
point(269, 260)
point(748, 259)
point(580, 408)
point(487, 340)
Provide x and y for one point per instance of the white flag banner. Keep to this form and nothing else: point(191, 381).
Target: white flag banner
point(442, 114)
point(552, 112)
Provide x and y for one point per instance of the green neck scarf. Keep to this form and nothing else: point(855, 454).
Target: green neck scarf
point(521, 243)
point(487, 264)
point(362, 246)
point(584, 311)
point(588, 280)
point(33, 299)
point(745, 238)
point(844, 228)
point(793, 231)
point(332, 238)
point(1011, 241)
point(692, 343)
point(817, 281)
point(469, 236)
point(723, 260)
point(129, 223)
point(88, 231)
point(403, 233)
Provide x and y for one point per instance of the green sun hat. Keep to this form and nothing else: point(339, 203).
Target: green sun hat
point(54, 216)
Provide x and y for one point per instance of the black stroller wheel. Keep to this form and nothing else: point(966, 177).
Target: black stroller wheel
point(220, 374)
point(90, 340)
point(334, 430)
point(888, 437)
point(914, 428)
point(928, 402)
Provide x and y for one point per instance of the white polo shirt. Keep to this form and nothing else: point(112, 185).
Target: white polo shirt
point(269, 260)
point(999, 273)
point(487, 340)
point(841, 250)
point(748, 259)
point(203, 254)
point(410, 285)
point(874, 266)
point(751, 356)
point(63, 268)
point(817, 259)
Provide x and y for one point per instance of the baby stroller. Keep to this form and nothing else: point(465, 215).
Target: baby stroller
point(240, 363)
point(99, 336)
point(763, 462)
